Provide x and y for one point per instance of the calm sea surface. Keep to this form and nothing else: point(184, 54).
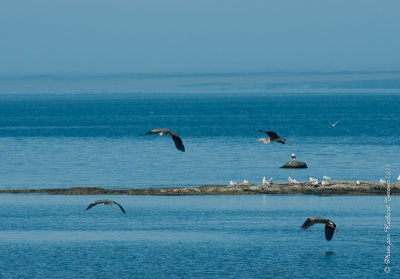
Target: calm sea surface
point(49, 141)
point(93, 140)
point(45, 236)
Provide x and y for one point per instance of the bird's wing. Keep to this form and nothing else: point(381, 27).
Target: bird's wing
point(272, 135)
point(329, 230)
point(312, 221)
point(157, 131)
point(178, 142)
point(93, 204)
point(120, 206)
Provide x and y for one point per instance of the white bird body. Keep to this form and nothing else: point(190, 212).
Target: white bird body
point(334, 124)
point(232, 183)
point(324, 183)
point(312, 179)
point(246, 182)
point(315, 182)
point(382, 181)
point(398, 178)
point(358, 182)
point(270, 180)
point(264, 181)
point(293, 181)
point(327, 178)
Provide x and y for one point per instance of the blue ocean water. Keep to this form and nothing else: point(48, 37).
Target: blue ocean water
point(45, 236)
point(66, 140)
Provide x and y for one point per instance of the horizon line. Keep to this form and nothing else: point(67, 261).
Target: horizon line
point(199, 74)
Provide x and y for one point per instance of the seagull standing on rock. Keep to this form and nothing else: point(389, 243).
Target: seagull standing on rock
point(293, 181)
point(315, 182)
point(312, 179)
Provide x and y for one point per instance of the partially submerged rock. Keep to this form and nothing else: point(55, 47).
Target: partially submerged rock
point(295, 165)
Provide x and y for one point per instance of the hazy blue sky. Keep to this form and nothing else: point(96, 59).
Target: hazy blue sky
point(169, 36)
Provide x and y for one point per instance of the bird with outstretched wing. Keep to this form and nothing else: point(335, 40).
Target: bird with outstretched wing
point(175, 137)
point(105, 202)
point(330, 227)
point(273, 137)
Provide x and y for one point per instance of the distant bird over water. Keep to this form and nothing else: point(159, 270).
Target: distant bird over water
point(330, 227)
point(177, 140)
point(105, 202)
point(334, 124)
point(273, 137)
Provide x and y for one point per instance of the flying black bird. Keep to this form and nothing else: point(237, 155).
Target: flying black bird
point(177, 140)
point(330, 227)
point(273, 137)
point(105, 202)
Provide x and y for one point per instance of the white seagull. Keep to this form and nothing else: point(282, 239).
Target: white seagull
point(265, 181)
point(232, 183)
point(315, 182)
point(324, 183)
point(382, 181)
point(312, 179)
point(334, 124)
point(293, 181)
point(327, 178)
point(398, 178)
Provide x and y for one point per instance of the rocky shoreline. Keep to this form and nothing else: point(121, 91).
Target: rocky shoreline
point(335, 188)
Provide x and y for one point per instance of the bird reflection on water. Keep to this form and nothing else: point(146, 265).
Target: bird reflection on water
point(329, 253)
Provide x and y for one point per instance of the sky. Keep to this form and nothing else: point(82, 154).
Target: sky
point(97, 37)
